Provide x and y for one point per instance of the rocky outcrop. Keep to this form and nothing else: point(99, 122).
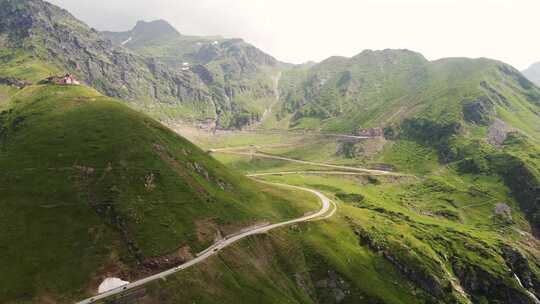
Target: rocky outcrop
point(519, 264)
point(433, 133)
point(503, 212)
point(524, 183)
point(14, 82)
point(466, 277)
point(479, 283)
point(371, 132)
point(335, 286)
point(412, 271)
point(498, 132)
point(479, 111)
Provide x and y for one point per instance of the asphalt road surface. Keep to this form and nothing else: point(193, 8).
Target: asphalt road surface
point(348, 168)
point(327, 210)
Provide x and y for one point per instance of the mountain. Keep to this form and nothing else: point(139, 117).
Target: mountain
point(230, 68)
point(533, 73)
point(143, 33)
point(460, 225)
point(455, 105)
point(91, 188)
point(378, 88)
point(466, 129)
point(215, 89)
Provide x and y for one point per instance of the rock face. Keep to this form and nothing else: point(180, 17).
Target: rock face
point(143, 31)
point(520, 266)
point(479, 111)
point(18, 83)
point(335, 286)
point(371, 132)
point(498, 132)
point(416, 273)
point(231, 69)
point(208, 91)
point(478, 281)
point(504, 211)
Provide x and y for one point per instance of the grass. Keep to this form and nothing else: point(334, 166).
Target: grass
point(382, 88)
point(21, 65)
point(309, 252)
point(421, 221)
point(89, 184)
point(404, 215)
point(409, 156)
point(5, 94)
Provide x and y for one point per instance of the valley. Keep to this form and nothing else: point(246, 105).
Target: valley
point(199, 169)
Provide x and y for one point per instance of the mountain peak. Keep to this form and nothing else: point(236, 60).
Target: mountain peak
point(389, 54)
point(155, 28)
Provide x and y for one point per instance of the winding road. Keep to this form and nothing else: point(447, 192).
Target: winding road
point(262, 155)
point(327, 210)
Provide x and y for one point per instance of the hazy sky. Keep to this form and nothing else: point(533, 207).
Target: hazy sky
point(301, 30)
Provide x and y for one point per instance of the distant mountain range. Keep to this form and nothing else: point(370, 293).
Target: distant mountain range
point(533, 73)
point(387, 87)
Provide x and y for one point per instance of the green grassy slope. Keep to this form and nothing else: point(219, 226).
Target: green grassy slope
point(91, 188)
point(474, 114)
point(440, 232)
point(466, 129)
point(381, 88)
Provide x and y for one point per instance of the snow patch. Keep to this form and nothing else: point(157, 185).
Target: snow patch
point(110, 284)
point(215, 43)
point(125, 42)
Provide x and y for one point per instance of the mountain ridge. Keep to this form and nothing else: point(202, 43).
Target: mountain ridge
point(91, 185)
point(147, 30)
point(50, 40)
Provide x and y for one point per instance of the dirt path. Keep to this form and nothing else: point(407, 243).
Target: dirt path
point(348, 168)
point(309, 173)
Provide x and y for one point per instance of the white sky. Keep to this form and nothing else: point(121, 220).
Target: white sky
point(301, 30)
